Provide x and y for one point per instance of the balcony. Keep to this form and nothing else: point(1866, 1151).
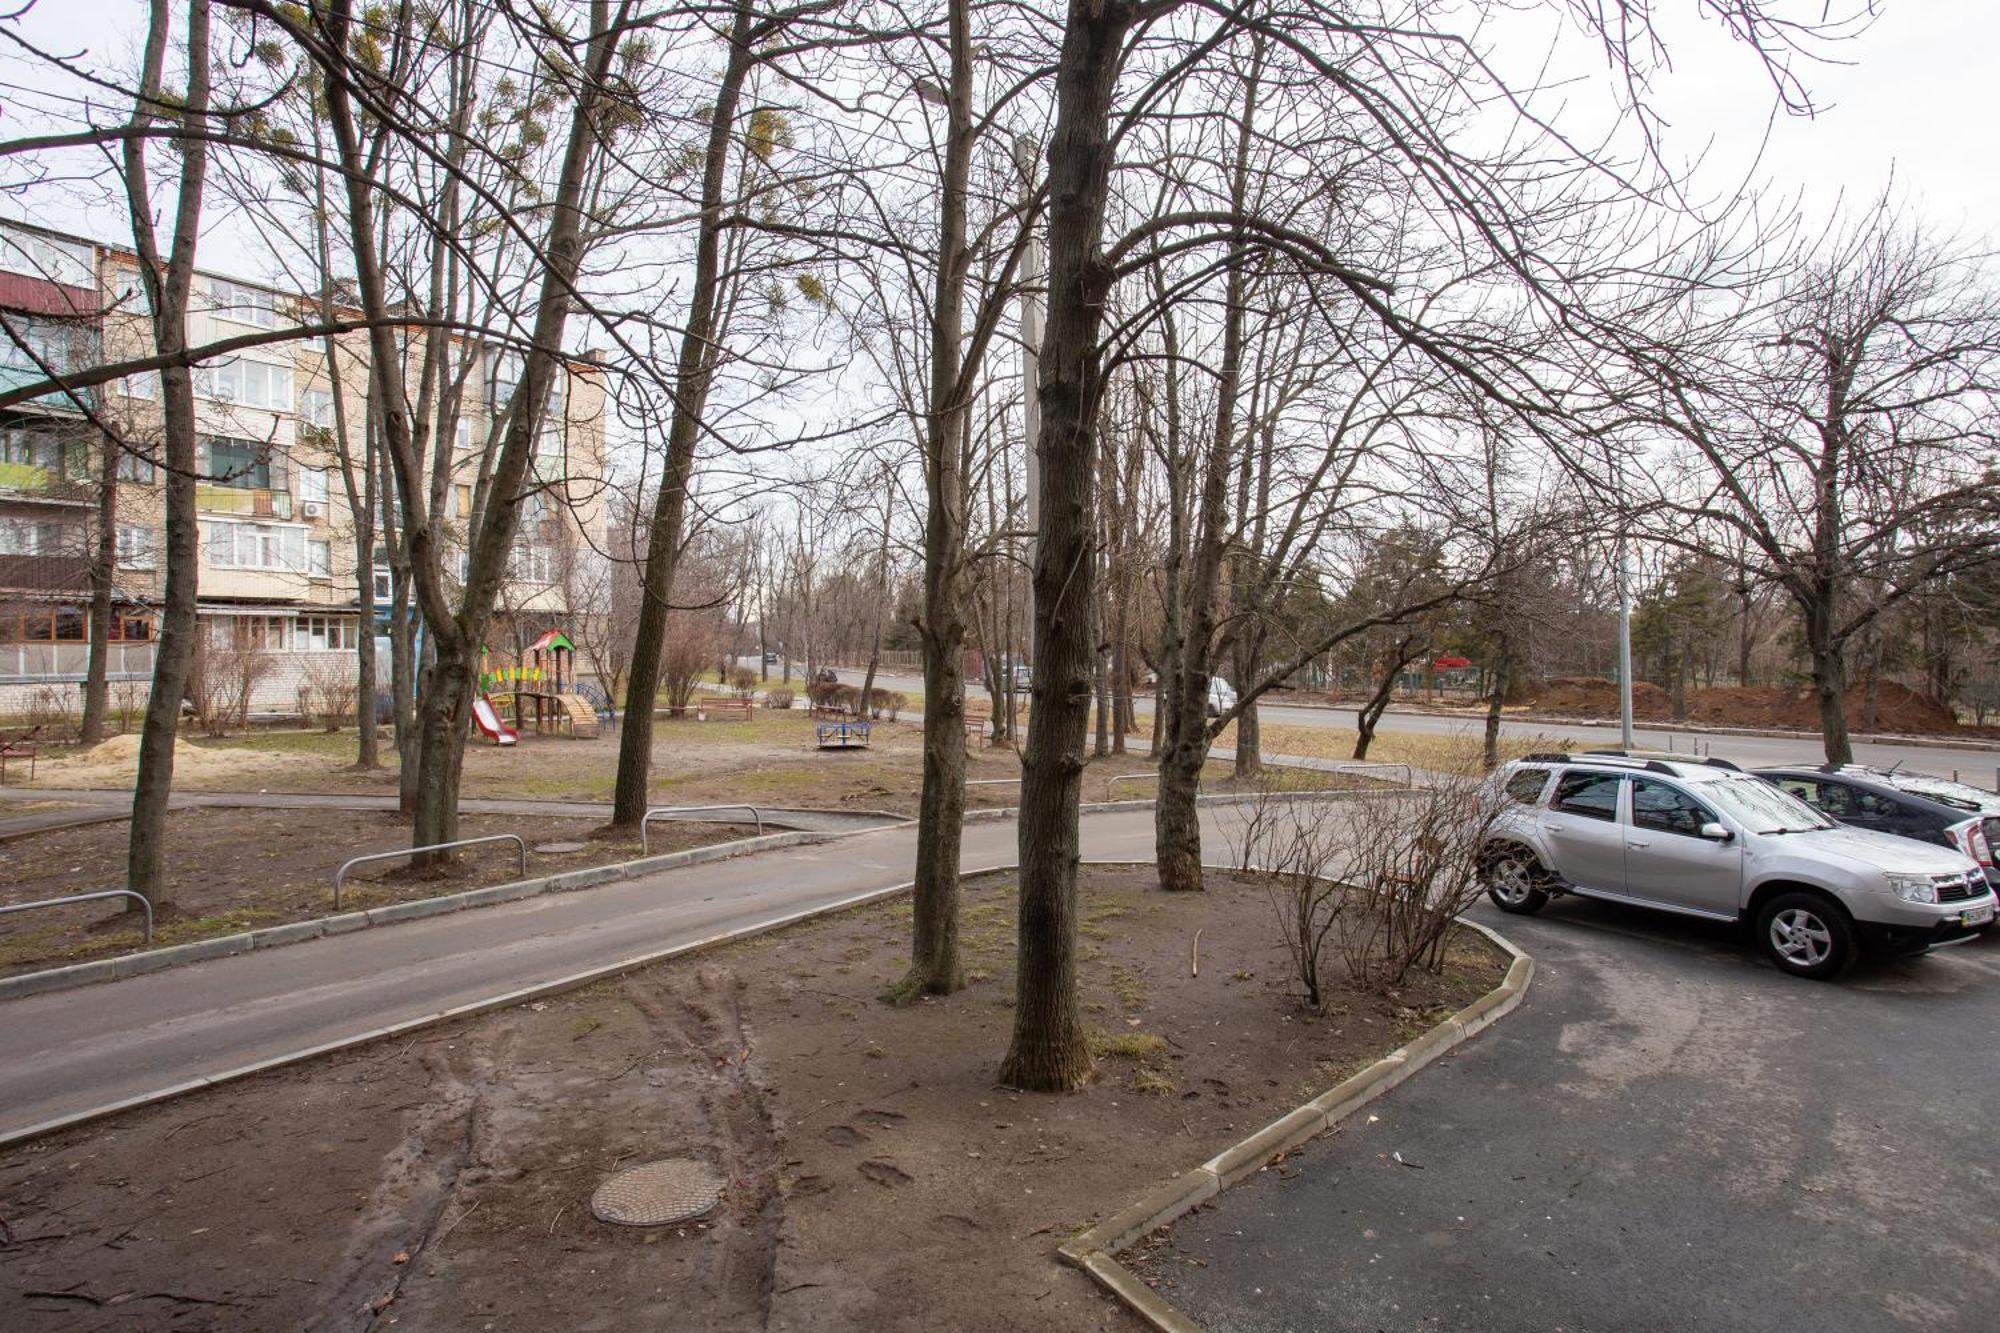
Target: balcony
point(243, 501)
point(30, 481)
point(13, 377)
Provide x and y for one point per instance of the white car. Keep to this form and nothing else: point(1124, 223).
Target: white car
point(1221, 696)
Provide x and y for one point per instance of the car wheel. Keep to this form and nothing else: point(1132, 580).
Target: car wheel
point(1807, 935)
point(1513, 880)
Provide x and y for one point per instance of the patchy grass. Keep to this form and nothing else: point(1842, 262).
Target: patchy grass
point(1127, 1045)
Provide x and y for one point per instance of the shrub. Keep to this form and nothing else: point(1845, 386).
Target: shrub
point(1416, 862)
point(52, 713)
point(220, 683)
point(743, 681)
point(778, 697)
point(329, 691)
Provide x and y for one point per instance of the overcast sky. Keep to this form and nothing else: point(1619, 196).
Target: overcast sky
point(1912, 101)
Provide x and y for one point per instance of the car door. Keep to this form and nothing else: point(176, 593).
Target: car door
point(1583, 831)
point(1668, 861)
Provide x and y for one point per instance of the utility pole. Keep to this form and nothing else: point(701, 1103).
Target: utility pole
point(1624, 652)
point(1031, 359)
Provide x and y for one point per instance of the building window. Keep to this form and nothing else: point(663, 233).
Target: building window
point(532, 564)
point(316, 408)
point(312, 485)
point(27, 536)
point(462, 436)
point(44, 624)
point(31, 344)
point(319, 559)
point(135, 548)
point(326, 633)
point(384, 586)
point(244, 464)
point(145, 384)
point(131, 625)
point(133, 466)
point(259, 546)
point(247, 383)
point(33, 444)
point(242, 304)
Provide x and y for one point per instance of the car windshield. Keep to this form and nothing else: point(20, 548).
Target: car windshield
point(1954, 794)
point(1762, 808)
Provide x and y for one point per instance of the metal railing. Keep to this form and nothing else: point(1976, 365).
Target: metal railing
point(992, 782)
point(662, 811)
point(144, 901)
point(1355, 766)
point(1112, 785)
point(340, 875)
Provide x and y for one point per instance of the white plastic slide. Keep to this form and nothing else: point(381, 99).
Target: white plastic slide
point(490, 725)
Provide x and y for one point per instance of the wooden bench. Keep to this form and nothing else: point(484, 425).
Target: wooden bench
point(737, 709)
point(19, 747)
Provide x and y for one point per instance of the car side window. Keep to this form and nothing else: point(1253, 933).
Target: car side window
point(1876, 807)
point(1593, 795)
point(1664, 809)
point(1834, 798)
point(1526, 785)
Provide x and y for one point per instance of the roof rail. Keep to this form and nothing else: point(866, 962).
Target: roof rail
point(1547, 757)
point(1713, 762)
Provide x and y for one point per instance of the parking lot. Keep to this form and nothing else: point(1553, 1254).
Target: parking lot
point(1668, 1135)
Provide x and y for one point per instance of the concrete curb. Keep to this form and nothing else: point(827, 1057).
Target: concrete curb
point(1096, 1250)
point(270, 937)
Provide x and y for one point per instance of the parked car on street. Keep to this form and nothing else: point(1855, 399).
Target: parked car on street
point(1710, 841)
point(1221, 696)
point(1909, 805)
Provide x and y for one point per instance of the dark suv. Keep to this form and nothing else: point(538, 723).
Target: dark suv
point(1910, 805)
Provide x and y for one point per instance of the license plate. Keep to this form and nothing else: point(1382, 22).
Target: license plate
point(1978, 916)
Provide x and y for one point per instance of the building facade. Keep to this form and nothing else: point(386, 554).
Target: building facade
point(277, 590)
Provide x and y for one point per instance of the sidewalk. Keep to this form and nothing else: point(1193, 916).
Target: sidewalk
point(68, 1052)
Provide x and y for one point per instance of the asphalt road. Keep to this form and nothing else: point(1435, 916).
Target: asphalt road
point(70, 1051)
point(1981, 767)
point(1668, 1135)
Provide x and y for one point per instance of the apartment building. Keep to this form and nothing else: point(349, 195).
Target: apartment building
point(278, 557)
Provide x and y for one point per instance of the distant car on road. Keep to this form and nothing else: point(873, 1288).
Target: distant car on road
point(1909, 805)
point(770, 659)
point(1221, 696)
point(1711, 841)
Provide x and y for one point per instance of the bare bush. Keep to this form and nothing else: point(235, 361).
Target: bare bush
point(221, 681)
point(51, 713)
point(743, 681)
point(692, 641)
point(1288, 843)
point(1414, 864)
point(886, 703)
point(130, 701)
point(330, 691)
point(778, 697)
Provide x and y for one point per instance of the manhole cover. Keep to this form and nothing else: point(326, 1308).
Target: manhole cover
point(560, 848)
point(658, 1193)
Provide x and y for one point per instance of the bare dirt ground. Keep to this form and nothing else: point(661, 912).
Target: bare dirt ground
point(769, 760)
point(878, 1179)
point(233, 870)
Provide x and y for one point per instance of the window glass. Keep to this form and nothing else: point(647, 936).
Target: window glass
point(1526, 785)
point(319, 559)
point(145, 384)
point(312, 485)
point(243, 304)
point(134, 467)
point(1594, 795)
point(240, 463)
point(1665, 809)
point(135, 547)
point(1875, 806)
point(316, 406)
point(250, 383)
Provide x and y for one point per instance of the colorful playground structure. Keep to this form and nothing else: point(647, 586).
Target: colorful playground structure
point(542, 682)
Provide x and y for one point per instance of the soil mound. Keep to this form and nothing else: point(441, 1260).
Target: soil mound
point(115, 763)
point(1898, 708)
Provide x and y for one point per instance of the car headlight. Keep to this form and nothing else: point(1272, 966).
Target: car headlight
point(1913, 888)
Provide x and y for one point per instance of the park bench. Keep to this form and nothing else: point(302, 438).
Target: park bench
point(23, 746)
point(737, 709)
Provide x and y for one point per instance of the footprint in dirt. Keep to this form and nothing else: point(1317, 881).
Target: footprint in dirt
point(844, 1136)
point(808, 1185)
point(885, 1173)
point(882, 1119)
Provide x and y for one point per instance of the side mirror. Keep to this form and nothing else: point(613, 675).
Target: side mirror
point(1716, 833)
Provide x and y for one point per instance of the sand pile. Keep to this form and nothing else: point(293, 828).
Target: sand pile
point(115, 763)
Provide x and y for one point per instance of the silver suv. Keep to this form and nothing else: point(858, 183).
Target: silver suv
point(1713, 842)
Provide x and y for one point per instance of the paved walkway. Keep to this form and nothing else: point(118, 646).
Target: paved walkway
point(1668, 1135)
point(74, 1050)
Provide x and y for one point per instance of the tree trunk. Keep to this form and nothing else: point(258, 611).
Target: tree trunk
point(693, 374)
point(1371, 712)
point(168, 284)
point(1048, 1052)
point(1829, 670)
point(103, 574)
point(1249, 738)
